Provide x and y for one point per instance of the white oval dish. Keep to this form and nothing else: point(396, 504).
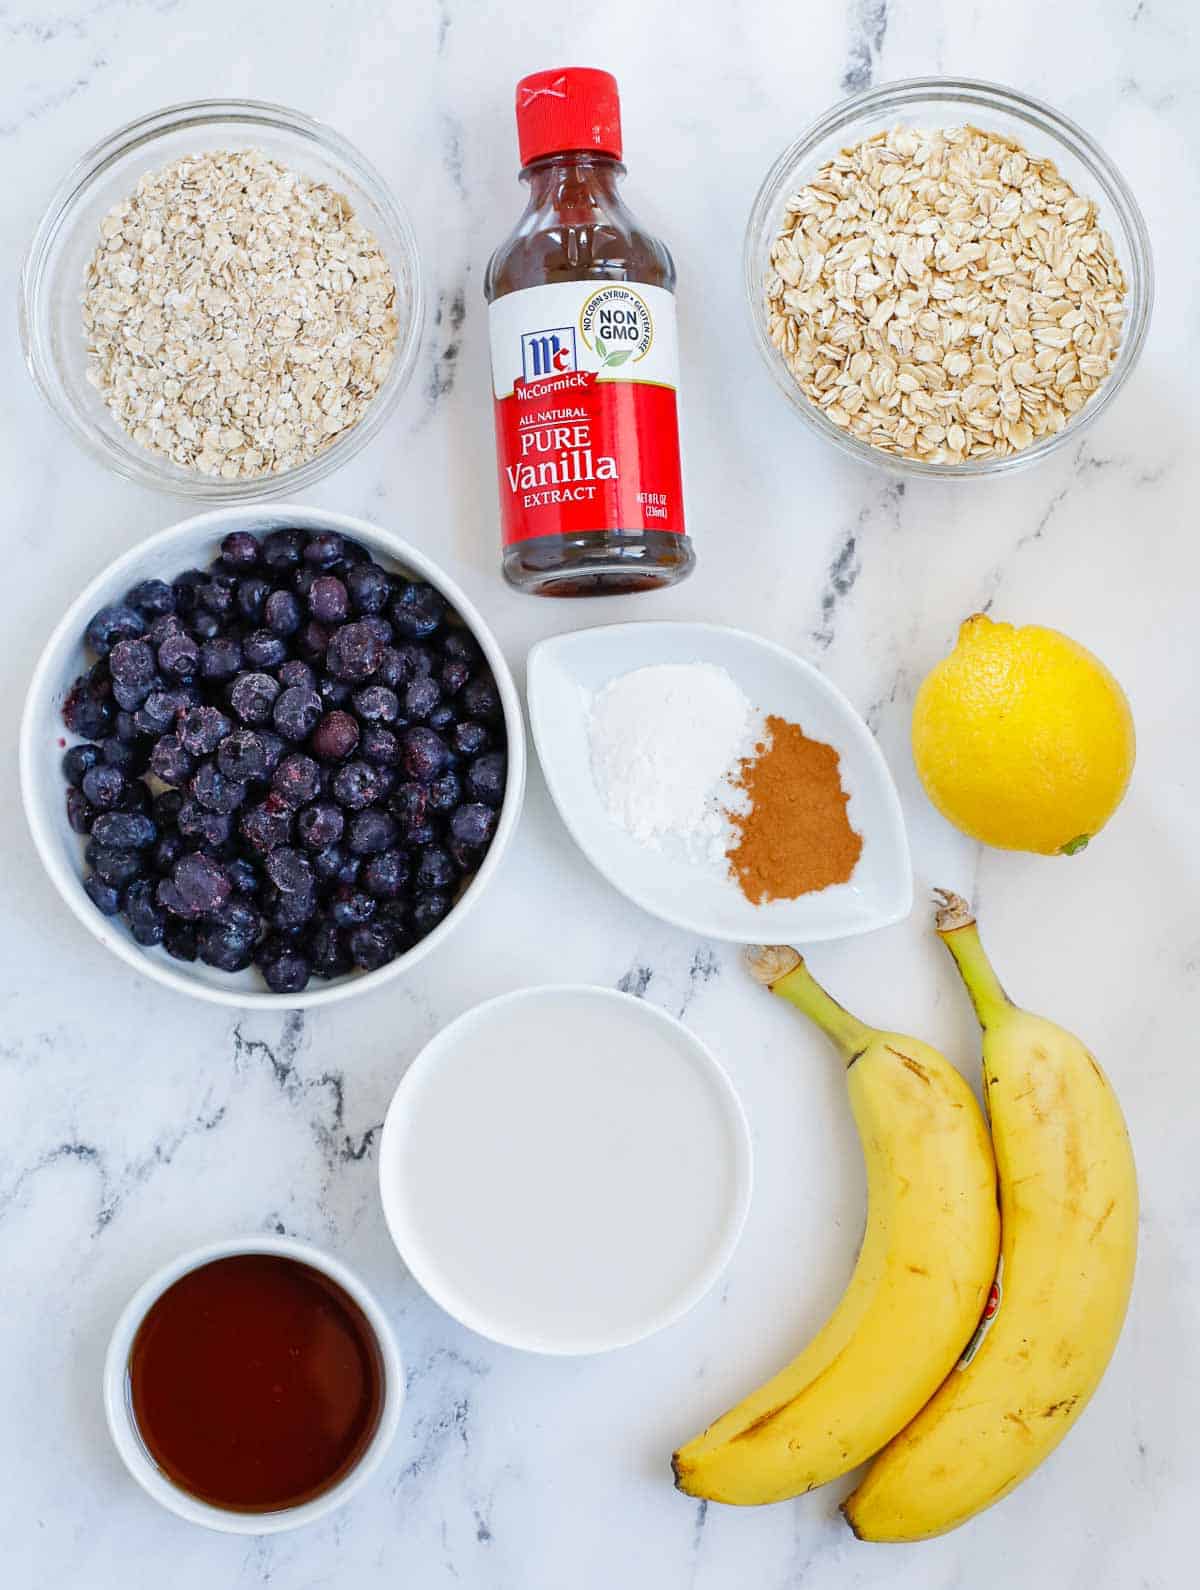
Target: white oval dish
point(565, 672)
point(533, 1162)
point(128, 1441)
point(184, 546)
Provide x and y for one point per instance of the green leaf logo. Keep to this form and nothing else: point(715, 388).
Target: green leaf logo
point(618, 356)
point(601, 349)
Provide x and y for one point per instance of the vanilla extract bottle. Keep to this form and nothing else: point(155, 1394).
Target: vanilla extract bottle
point(584, 361)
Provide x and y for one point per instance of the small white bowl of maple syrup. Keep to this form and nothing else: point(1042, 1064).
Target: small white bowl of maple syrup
point(216, 1372)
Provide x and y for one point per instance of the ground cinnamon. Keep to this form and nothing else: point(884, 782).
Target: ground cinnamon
point(794, 837)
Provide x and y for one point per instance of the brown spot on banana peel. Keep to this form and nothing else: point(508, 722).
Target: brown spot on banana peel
point(1099, 1226)
point(1015, 1418)
point(916, 1269)
point(907, 1061)
point(1062, 1407)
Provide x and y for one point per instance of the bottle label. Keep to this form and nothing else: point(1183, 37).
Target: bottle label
point(584, 377)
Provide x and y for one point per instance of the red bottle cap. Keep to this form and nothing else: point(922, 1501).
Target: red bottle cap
point(573, 107)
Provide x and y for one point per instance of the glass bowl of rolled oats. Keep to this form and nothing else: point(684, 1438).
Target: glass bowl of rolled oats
point(947, 277)
point(223, 300)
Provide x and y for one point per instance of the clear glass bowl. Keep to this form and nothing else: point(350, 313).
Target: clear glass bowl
point(52, 278)
point(932, 102)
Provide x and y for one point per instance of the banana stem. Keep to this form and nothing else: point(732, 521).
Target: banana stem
point(784, 973)
point(959, 932)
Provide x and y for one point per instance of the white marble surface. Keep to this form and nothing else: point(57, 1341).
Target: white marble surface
point(134, 1123)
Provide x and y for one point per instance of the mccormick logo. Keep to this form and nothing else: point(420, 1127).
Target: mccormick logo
point(546, 353)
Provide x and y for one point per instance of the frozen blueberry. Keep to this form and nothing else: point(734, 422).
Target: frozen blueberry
point(241, 917)
point(445, 792)
point(217, 595)
point(320, 825)
point(485, 778)
point(290, 871)
point(416, 660)
point(113, 624)
point(205, 830)
point(296, 674)
point(368, 587)
point(226, 951)
point(185, 586)
point(417, 612)
point(313, 642)
point(409, 804)
point(77, 760)
point(381, 747)
point(125, 830)
point(377, 704)
point(178, 655)
point(356, 785)
point(152, 598)
point(289, 912)
point(328, 600)
point(204, 625)
point(297, 712)
point(297, 779)
point(147, 920)
point(350, 907)
point(442, 718)
point(371, 946)
point(252, 596)
point(128, 755)
point(428, 910)
point(274, 746)
point(165, 624)
point(480, 698)
point(134, 672)
point(324, 548)
point(469, 738)
point(335, 865)
point(420, 698)
point(386, 874)
point(328, 954)
point(104, 896)
point(394, 669)
point(454, 675)
point(170, 761)
point(370, 832)
point(243, 876)
point(203, 883)
point(135, 797)
point(216, 792)
point(103, 786)
point(252, 697)
point(435, 870)
point(460, 645)
point(354, 652)
point(220, 658)
point(179, 939)
point(285, 970)
point(335, 736)
point(241, 756)
point(333, 692)
point(264, 649)
point(125, 724)
point(282, 613)
point(473, 824)
point(117, 867)
point(282, 549)
point(424, 754)
point(87, 711)
point(240, 550)
point(201, 730)
point(267, 825)
point(166, 806)
point(167, 850)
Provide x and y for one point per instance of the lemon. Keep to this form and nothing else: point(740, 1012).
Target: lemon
point(1022, 738)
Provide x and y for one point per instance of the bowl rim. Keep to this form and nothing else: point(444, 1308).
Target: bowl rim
point(123, 571)
point(128, 1441)
point(435, 1052)
point(124, 457)
point(897, 836)
point(901, 93)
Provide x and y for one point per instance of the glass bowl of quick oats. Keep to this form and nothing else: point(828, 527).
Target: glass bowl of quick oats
point(947, 277)
point(223, 300)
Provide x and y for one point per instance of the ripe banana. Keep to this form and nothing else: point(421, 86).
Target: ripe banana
point(1068, 1209)
point(923, 1273)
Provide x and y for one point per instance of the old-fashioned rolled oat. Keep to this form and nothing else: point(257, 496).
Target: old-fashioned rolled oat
point(239, 318)
point(944, 295)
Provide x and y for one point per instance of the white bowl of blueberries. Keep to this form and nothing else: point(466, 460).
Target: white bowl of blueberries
point(272, 755)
